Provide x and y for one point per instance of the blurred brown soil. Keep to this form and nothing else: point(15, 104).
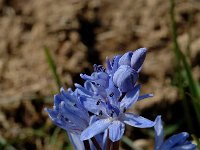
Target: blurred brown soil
point(80, 33)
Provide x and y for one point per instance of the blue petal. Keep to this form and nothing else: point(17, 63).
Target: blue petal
point(93, 105)
point(115, 64)
point(74, 115)
point(116, 130)
point(95, 128)
point(82, 91)
point(159, 135)
point(86, 77)
point(175, 140)
point(112, 110)
point(102, 75)
point(52, 113)
point(113, 93)
point(89, 87)
point(93, 119)
point(99, 78)
point(95, 87)
point(130, 98)
point(109, 67)
point(98, 68)
point(57, 121)
point(75, 141)
point(125, 78)
point(57, 101)
point(185, 147)
point(67, 96)
point(126, 59)
point(138, 59)
point(141, 97)
point(104, 141)
point(137, 121)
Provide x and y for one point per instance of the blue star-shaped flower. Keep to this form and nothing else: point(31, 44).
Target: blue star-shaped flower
point(101, 97)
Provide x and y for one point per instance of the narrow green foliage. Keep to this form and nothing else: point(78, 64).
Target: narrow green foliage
point(129, 143)
point(170, 129)
point(188, 48)
point(54, 138)
point(183, 65)
point(53, 67)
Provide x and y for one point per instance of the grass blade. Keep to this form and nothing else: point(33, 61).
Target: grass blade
point(53, 67)
point(182, 63)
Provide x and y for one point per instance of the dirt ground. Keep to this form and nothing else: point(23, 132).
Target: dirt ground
point(78, 34)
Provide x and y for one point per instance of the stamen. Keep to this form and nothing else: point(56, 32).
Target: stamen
point(115, 86)
point(113, 61)
point(100, 113)
point(122, 96)
point(111, 94)
point(132, 78)
point(98, 84)
point(112, 113)
point(124, 110)
point(93, 83)
point(98, 102)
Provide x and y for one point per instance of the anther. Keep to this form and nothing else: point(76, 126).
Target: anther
point(112, 113)
point(124, 110)
point(100, 113)
point(111, 94)
point(122, 96)
point(93, 82)
point(98, 102)
point(98, 84)
point(113, 62)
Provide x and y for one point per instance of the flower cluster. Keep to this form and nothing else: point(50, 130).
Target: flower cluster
point(96, 112)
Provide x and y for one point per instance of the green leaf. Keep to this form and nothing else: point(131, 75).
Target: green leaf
point(53, 67)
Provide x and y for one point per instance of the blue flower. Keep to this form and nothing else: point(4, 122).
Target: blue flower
point(175, 142)
point(68, 113)
point(101, 97)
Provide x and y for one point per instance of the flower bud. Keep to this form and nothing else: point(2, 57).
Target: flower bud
point(125, 78)
point(137, 59)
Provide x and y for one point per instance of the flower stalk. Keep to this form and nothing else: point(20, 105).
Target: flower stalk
point(96, 144)
point(87, 145)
